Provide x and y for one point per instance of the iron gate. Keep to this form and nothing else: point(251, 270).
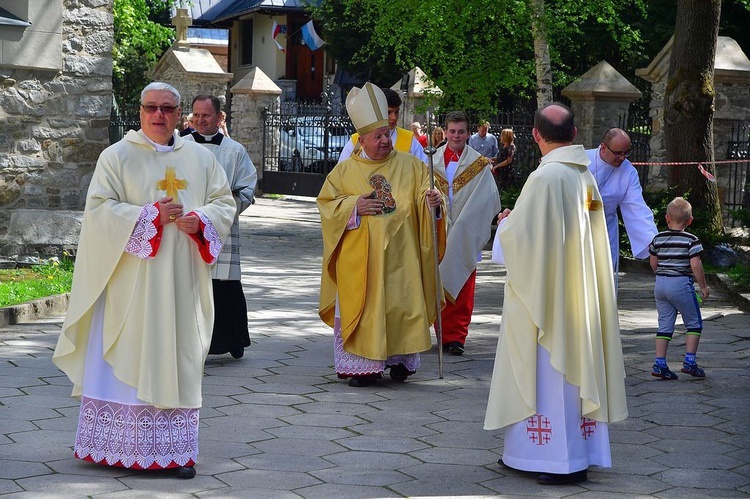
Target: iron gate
point(301, 144)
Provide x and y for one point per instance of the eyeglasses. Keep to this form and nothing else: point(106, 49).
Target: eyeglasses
point(151, 108)
point(624, 154)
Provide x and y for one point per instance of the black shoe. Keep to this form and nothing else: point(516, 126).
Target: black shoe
point(184, 472)
point(399, 373)
point(454, 348)
point(562, 479)
point(360, 381)
point(237, 352)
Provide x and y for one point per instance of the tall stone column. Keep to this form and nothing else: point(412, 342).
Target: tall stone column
point(598, 98)
point(250, 96)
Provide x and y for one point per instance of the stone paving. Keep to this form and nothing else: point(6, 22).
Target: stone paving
point(278, 423)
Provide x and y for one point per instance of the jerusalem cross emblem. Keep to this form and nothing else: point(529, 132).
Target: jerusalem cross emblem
point(539, 429)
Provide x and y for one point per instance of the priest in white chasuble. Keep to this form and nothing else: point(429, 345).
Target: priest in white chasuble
point(138, 327)
point(558, 379)
point(378, 284)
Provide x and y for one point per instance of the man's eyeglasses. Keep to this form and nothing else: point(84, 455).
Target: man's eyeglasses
point(151, 109)
point(624, 154)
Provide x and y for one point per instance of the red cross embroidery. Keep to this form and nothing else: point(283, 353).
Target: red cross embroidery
point(539, 429)
point(588, 427)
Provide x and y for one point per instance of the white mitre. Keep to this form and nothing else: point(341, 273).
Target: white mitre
point(367, 108)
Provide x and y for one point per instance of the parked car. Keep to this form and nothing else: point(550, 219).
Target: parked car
point(307, 145)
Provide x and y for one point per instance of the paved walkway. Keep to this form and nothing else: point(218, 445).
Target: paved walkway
point(278, 423)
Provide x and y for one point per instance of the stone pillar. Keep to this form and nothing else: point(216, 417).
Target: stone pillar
point(419, 94)
point(598, 98)
point(250, 96)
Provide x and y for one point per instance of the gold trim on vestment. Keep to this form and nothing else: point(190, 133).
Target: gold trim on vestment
point(464, 178)
point(591, 203)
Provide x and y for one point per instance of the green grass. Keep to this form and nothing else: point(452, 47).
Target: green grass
point(740, 277)
point(53, 277)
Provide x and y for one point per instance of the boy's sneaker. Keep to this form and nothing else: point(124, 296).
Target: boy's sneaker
point(693, 370)
point(662, 372)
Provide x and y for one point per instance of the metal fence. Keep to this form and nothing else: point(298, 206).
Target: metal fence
point(122, 121)
point(637, 123)
point(304, 138)
point(737, 194)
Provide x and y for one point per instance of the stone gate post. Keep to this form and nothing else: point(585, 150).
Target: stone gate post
point(250, 96)
point(598, 98)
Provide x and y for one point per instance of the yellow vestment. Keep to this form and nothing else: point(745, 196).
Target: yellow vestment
point(158, 312)
point(383, 272)
point(560, 294)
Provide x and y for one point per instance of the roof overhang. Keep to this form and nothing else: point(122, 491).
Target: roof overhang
point(8, 19)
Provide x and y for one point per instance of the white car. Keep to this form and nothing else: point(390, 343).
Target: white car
point(306, 145)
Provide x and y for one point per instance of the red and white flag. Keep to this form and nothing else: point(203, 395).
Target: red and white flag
point(276, 31)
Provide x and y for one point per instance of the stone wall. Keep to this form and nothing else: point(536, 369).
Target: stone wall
point(53, 126)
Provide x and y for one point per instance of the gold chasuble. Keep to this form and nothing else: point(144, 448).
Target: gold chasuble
point(383, 272)
point(555, 234)
point(158, 312)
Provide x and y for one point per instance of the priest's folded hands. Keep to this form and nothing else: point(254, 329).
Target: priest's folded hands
point(189, 224)
point(168, 211)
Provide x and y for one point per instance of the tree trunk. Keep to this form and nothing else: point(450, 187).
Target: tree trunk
point(689, 107)
point(541, 54)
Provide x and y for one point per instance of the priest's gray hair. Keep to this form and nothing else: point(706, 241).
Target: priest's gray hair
point(160, 85)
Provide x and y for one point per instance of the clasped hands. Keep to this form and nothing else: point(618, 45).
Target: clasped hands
point(172, 212)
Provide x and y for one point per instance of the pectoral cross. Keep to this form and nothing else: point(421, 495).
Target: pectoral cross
point(171, 184)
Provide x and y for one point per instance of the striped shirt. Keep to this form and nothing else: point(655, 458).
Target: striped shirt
point(674, 249)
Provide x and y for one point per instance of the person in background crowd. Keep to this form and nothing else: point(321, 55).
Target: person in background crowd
point(416, 129)
point(502, 167)
point(484, 142)
point(438, 137)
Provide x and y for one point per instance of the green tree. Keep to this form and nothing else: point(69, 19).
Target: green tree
point(476, 51)
point(139, 42)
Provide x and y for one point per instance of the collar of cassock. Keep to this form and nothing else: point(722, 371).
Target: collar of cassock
point(208, 139)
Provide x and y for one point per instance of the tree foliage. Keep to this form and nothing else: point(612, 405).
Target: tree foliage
point(139, 42)
point(480, 51)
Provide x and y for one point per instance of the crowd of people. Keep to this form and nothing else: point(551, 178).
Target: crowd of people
point(157, 283)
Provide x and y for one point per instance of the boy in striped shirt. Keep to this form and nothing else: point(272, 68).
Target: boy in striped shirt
point(676, 260)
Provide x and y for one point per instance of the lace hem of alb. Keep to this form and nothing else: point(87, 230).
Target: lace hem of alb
point(139, 243)
point(215, 243)
point(349, 364)
point(136, 435)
